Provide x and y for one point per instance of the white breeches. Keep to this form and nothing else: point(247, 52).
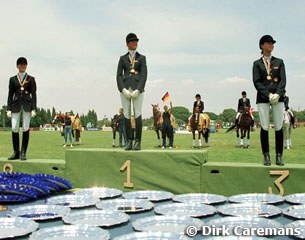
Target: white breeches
point(278, 112)
point(137, 105)
point(26, 118)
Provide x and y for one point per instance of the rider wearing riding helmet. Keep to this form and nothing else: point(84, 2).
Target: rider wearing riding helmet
point(243, 102)
point(131, 80)
point(21, 101)
point(269, 79)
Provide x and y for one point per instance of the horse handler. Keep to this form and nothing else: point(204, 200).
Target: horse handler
point(168, 124)
point(269, 79)
point(21, 101)
point(131, 79)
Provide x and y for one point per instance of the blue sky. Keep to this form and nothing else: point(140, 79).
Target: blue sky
point(205, 47)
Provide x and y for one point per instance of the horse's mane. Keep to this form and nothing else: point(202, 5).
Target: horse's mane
point(156, 115)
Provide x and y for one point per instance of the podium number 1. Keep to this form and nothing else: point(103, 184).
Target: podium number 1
point(127, 165)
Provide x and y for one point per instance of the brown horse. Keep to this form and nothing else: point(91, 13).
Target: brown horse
point(59, 119)
point(244, 126)
point(115, 125)
point(201, 123)
point(157, 117)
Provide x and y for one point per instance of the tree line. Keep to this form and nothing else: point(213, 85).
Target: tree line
point(46, 116)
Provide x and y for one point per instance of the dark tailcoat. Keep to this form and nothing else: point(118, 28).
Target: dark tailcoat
point(200, 105)
point(25, 98)
point(264, 86)
point(242, 104)
point(127, 80)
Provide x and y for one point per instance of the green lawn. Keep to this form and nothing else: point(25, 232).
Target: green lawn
point(48, 145)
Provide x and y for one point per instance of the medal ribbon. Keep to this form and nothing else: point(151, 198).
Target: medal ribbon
point(267, 65)
point(132, 61)
point(23, 81)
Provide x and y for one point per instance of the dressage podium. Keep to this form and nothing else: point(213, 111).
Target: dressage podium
point(177, 171)
point(171, 170)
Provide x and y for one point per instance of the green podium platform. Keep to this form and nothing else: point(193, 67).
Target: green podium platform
point(32, 166)
point(235, 178)
point(177, 171)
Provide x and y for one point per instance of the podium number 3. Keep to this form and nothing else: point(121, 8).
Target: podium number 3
point(127, 165)
point(278, 182)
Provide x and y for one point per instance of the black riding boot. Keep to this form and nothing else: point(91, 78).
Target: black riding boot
point(137, 145)
point(279, 142)
point(25, 142)
point(128, 134)
point(15, 140)
point(267, 161)
point(265, 146)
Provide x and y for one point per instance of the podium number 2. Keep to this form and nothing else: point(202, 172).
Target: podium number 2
point(283, 174)
point(8, 168)
point(127, 165)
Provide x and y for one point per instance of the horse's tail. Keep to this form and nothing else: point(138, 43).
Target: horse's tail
point(231, 128)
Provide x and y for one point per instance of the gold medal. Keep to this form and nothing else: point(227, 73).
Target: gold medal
point(269, 77)
point(22, 82)
point(275, 79)
point(132, 70)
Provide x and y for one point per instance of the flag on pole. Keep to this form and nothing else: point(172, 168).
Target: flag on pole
point(165, 97)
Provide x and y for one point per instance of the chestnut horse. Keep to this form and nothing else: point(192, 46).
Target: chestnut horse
point(157, 117)
point(59, 119)
point(201, 123)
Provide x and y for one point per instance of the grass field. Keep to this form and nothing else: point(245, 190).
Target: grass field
point(48, 145)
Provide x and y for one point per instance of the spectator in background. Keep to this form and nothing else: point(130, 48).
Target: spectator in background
point(77, 128)
point(122, 132)
point(68, 129)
